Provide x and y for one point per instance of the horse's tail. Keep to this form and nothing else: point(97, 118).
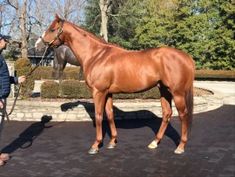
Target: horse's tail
point(189, 105)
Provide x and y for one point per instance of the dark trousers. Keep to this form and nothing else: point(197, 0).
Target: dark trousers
point(2, 117)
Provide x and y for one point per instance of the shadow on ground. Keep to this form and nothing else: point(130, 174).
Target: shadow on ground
point(26, 138)
point(145, 119)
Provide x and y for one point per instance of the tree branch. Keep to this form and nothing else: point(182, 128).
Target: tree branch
point(94, 21)
point(12, 5)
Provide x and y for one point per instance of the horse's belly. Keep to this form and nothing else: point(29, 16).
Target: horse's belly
point(131, 85)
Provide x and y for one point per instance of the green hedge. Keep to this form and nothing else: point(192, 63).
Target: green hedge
point(149, 94)
point(77, 89)
point(50, 89)
point(43, 72)
point(76, 74)
point(23, 67)
point(74, 89)
point(215, 75)
point(46, 72)
point(72, 73)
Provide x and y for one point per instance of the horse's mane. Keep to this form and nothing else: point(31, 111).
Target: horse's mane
point(92, 36)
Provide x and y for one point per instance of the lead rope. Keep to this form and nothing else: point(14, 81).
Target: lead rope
point(20, 85)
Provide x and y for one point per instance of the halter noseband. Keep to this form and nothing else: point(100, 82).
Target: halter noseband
point(60, 31)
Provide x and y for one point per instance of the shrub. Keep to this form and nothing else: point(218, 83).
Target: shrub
point(22, 63)
point(43, 72)
point(149, 94)
point(46, 72)
point(23, 67)
point(72, 73)
point(74, 89)
point(78, 89)
point(215, 75)
point(50, 89)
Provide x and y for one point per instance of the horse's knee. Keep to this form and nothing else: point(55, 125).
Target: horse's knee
point(98, 118)
point(183, 114)
point(167, 113)
point(109, 113)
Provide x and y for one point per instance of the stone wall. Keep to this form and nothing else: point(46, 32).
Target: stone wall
point(83, 110)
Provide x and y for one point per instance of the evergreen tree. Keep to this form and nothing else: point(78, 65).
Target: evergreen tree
point(92, 16)
point(202, 28)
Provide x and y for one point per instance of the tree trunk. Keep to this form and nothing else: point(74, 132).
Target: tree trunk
point(1, 20)
point(104, 9)
point(23, 29)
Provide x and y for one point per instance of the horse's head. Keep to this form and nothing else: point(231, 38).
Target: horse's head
point(53, 36)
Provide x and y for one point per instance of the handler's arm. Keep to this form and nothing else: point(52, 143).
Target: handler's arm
point(17, 80)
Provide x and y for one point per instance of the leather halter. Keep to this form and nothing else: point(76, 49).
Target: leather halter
point(57, 37)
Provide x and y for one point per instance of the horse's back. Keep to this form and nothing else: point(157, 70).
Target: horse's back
point(146, 68)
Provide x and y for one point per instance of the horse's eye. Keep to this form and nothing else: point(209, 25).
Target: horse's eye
point(52, 30)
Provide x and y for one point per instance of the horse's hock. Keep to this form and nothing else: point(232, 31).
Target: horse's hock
point(84, 110)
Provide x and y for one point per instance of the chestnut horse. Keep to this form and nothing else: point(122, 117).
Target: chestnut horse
point(111, 69)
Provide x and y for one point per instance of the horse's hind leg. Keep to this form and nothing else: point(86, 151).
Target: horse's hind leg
point(166, 98)
point(180, 104)
point(110, 117)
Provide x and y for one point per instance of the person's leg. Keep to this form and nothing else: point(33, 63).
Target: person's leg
point(2, 116)
point(3, 156)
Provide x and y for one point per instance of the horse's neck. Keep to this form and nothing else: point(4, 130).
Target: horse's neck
point(83, 46)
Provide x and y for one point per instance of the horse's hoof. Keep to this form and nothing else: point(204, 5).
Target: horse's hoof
point(2, 163)
point(179, 151)
point(111, 146)
point(153, 145)
point(93, 151)
point(4, 156)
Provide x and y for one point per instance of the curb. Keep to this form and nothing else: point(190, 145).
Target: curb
point(83, 110)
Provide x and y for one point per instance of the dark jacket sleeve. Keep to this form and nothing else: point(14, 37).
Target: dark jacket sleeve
point(14, 80)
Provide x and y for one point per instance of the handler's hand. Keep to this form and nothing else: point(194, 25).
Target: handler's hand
point(21, 79)
point(1, 104)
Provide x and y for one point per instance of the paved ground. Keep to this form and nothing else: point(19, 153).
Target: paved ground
point(224, 90)
point(60, 149)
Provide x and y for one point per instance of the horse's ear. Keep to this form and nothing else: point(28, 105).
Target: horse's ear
point(57, 17)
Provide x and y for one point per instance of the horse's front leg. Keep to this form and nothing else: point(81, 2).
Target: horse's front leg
point(110, 117)
point(99, 101)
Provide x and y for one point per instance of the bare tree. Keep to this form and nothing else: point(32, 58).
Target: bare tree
point(23, 29)
point(27, 17)
point(105, 7)
point(20, 8)
point(68, 9)
point(1, 16)
point(6, 17)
